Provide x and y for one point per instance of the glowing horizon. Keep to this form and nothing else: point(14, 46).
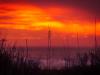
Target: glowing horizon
point(35, 18)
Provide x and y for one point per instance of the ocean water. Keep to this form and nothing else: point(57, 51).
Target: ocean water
point(54, 52)
point(55, 56)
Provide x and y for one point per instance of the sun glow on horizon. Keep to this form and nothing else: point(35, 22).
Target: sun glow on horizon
point(37, 19)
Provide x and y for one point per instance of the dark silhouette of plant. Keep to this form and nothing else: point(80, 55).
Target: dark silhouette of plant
point(19, 67)
point(13, 63)
point(82, 58)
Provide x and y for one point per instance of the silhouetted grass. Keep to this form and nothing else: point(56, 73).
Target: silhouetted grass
point(24, 67)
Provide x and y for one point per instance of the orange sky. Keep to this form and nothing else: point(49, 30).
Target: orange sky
point(22, 18)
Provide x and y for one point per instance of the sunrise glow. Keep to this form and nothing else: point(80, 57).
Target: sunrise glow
point(28, 20)
point(35, 18)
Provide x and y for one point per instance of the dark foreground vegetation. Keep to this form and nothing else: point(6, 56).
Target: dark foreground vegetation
point(11, 64)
